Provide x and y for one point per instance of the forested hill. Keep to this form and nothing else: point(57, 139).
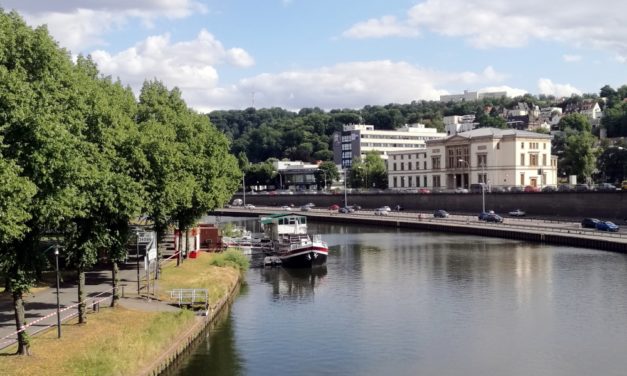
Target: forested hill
point(277, 133)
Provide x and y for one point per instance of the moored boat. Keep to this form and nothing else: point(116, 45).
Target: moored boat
point(291, 242)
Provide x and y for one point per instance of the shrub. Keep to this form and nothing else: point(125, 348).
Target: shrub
point(233, 258)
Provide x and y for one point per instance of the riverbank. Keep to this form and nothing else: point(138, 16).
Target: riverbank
point(138, 337)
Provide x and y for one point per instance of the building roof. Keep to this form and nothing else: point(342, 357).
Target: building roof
point(497, 133)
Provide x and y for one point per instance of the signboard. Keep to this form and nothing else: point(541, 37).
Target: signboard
point(144, 237)
point(152, 254)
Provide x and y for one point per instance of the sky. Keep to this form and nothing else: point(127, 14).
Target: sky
point(331, 54)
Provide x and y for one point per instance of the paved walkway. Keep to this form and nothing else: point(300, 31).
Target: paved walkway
point(41, 306)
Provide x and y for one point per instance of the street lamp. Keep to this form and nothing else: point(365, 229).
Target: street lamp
point(468, 165)
point(345, 197)
point(56, 263)
point(483, 185)
point(137, 257)
point(244, 188)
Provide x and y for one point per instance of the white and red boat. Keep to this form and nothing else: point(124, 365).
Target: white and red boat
point(291, 242)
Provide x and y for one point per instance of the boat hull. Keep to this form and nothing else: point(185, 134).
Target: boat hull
point(304, 258)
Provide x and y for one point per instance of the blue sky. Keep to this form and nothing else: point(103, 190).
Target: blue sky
point(343, 54)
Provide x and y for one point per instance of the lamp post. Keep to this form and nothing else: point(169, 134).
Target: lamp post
point(468, 165)
point(483, 185)
point(56, 262)
point(244, 188)
point(137, 257)
point(345, 197)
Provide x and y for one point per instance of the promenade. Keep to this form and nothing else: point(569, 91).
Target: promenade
point(40, 306)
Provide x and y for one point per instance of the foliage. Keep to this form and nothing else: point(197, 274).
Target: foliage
point(612, 164)
point(231, 258)
point(579, 158)
point(370, 172)
point(327, 173)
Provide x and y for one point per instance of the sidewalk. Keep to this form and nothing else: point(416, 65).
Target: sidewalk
point(97, 286)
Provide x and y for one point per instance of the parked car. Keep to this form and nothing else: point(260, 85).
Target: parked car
point(424, 190)
point(531, 188)
point(499, 189)
point(549, 188)
point(356, 207)
point(484, 215)
point(517, 189)
point(285, 207)
point(607, 226)
point(346, 210)
point(517, 213)
point(305, 208)
point(381, 211)
point(479, 188)
point(249, 206)
point(461, 190)
point(238, 202)
point(440, 214)
point(494, 218)
point(565, 188)
point(334, 207)
point(605, 187)
point(582, 188)
point(623, 185)
point(589, 223)
point(387, 208)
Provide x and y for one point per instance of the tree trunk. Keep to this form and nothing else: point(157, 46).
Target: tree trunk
point(82, 317)
point(186, 243)
point(180, 249)
point(114, 282)
point(23, 345)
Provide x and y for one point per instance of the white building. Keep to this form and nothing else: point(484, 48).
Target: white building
point(459, 123)
point(296, 175)
point(472, 96)
point(356, 140)
point(498, 157)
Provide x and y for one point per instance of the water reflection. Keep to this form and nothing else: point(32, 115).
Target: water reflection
point(293, 284)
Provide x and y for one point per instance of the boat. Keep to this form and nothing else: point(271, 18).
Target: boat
point(291, 242)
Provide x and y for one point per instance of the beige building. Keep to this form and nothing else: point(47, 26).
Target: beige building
point(498, 157)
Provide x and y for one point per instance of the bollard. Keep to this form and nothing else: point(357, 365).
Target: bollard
point(95, 307)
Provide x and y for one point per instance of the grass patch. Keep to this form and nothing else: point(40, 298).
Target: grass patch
point(113, 342)
point(199, 273)
point(233, 258)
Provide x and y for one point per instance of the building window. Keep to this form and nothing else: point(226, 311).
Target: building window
point(533, 160)
point(435, 163)
point(402, 166)
point(408, 166)
point(522, 145)
point(543, 159)
point(424, 165)
point(409, 181)
point(482, 160)
point(394, 185)
point(522, 159)
point(522, 178)
point(498, 146)
point(402, 182)
point(394, 169)
point(482, 178)
point(424, 180)
point(436, 180)
point(544, 146)
point(417, 181)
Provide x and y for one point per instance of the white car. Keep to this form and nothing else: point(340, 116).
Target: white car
point(249, 206)
point(286, 208)
point(381, 211)
point(386, 208)
point(517, 213)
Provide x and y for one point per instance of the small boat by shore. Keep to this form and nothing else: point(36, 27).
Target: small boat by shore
point(291, 242)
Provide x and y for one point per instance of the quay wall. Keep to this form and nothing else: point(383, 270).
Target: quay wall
point(575, 205)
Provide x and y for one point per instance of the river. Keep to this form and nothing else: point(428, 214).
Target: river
point(401, 302)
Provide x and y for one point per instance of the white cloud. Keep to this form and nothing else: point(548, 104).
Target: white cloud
point(344, 85)
point(571, 58)
point(548, 87)
point(77, 24)
point(188, 65)
point(504, 23)
point(386, 26)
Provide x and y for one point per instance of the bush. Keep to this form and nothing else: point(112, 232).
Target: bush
point(232, 258)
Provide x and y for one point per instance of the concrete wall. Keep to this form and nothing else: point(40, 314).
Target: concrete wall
point(602, 205)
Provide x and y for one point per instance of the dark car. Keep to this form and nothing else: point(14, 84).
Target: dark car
point(345, 209)
point(440, 214)
point(607, 226)
point(605, 187)
point(494, 218)
point(356, 207)
point(565, 188)
point(516, 189)
point(484, 215)
point(582, 188)
point(549, 188)
point(589, 223)
point(531, 188)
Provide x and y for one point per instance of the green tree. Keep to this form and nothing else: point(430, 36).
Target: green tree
point(579, 158)
point(327, 173)
point(575, 122)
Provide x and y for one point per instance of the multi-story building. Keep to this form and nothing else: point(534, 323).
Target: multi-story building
point(468, 96)
point(459, 123)
point(296, 175)
point(357, 139)
point(497, 157)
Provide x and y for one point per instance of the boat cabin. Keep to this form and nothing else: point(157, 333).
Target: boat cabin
point(276, 225)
